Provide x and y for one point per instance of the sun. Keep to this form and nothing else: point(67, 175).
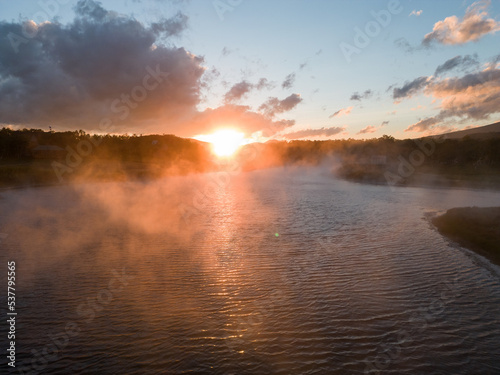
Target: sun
point(225, 142)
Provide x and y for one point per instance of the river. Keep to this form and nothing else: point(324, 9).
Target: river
point(280, 271)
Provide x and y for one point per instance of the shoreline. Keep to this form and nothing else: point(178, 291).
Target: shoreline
point(425, 180)
point(141, 171)
point(476, 228)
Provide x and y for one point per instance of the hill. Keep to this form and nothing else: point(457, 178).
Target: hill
point(481, 132)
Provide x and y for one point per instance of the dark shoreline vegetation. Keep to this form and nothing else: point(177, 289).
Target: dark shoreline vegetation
point(473, 227)
point(33, 157)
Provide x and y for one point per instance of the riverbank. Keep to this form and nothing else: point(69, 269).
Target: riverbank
point(477, 228)
point(484, 178)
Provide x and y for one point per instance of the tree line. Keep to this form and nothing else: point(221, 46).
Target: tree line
point(358, 159)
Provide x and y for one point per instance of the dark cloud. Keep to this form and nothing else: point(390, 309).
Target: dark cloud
point(239, 90)
point(462, 62)
point(366, 95)
point(274, 106)
point(472, 27)
point(323, 132)
point(100, 65)
point(410, 88)
point(403, 44)
point(264, 84)
point(289, 81)
point(106, 66)
point(170, 27)
point(91, 9)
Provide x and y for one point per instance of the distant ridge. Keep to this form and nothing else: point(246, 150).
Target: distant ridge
point(481, 132)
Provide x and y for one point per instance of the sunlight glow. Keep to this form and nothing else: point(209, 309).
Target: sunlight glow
point(225, 142)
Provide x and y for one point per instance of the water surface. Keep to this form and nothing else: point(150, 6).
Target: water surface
point(283, 271)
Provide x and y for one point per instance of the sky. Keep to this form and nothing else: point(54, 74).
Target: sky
point(274, 69)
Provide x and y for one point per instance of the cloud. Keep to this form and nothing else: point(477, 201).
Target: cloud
point(274, 106)
point(422, 125)
point(471, 127)
point(366, 95)
point(168, 27)
point(417, 107)
point(372, 129)
point(239, 116)
point(289, 81)
point(439, 129)
point(367, 130)
point(415, 13)
point(410, 88)
point(342, 112)
point(472, 27)
point(494, 61)
point(98, 66)
point(107, 66)
point(456, 62)
point(239, 90)
point(264, 84)
point(90, 9)
point(473, 96)
point(323, 132)
point(403, 44)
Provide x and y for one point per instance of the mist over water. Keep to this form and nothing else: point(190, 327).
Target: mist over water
point(279, 271)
